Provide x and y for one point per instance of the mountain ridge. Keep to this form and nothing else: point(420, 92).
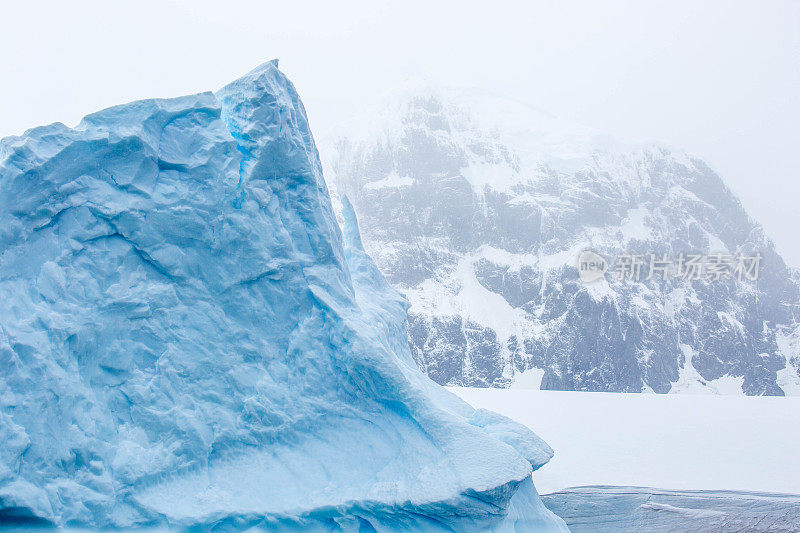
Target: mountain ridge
point(457, 193)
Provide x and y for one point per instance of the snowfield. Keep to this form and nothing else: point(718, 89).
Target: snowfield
point(676, 441)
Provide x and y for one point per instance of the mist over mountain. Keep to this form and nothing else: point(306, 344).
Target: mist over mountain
point(477, 208)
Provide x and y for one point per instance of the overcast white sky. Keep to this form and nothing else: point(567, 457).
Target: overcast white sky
point(720, 79)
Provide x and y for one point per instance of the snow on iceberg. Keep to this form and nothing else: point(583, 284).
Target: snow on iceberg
point(187, 338)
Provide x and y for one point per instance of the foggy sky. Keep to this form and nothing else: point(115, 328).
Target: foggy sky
point(719, 79)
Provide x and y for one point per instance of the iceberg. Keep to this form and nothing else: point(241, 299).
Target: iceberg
point(188, 339)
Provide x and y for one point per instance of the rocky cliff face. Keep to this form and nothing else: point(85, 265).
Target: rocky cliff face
point(477, 208)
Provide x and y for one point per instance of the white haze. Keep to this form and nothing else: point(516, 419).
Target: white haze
point(720, 79)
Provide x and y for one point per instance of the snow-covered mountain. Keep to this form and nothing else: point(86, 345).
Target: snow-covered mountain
point(477, 208)
point(187, 339)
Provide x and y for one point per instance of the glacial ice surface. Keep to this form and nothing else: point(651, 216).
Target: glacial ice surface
point(604, 509)
point(187, 338)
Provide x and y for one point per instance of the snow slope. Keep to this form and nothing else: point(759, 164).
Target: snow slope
point(676, 441)
point(188, 339)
